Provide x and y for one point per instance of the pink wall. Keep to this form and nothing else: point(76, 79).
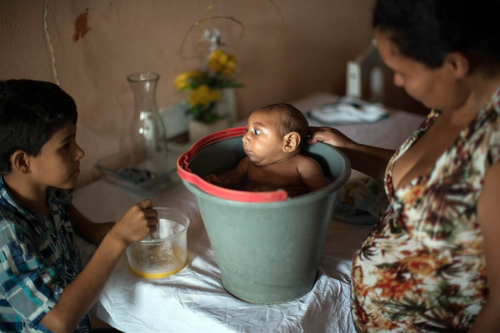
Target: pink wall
point(278, 63)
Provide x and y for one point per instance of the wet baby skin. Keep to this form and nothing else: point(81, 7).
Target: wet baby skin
point(273, 160)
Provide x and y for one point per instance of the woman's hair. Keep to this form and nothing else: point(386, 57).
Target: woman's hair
point(428, 30)
point(292, 120)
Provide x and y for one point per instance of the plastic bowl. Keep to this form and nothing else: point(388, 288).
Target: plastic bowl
point(166, 253)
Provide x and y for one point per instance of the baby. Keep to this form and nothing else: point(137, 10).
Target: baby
point(275, 135)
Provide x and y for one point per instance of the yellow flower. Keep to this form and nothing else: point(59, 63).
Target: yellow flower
point(221, 62)
point(203, 95)
point(182, 81)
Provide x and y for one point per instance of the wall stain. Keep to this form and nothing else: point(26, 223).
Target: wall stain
point(81, 26)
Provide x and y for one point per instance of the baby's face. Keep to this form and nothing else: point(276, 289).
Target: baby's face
point(263, 142)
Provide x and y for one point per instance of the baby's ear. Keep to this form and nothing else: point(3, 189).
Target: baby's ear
point(291, 142)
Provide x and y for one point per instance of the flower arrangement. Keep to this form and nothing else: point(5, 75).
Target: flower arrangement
point(203, 86)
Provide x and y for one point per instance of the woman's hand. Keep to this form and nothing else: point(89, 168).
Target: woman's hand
point(330, 136)
point(371, 161)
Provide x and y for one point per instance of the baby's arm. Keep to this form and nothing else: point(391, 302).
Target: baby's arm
point(311, 173)
point(233, 176)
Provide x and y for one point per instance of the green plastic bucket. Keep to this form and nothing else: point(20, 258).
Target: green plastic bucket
point(268, 246)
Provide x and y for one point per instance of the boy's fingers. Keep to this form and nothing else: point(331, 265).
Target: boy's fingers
point(152, 228)
point(146, 203)
point(148, 213)
point(152, 221)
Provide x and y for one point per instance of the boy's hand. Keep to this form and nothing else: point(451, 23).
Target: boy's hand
point(139, 222)
point(330, 136)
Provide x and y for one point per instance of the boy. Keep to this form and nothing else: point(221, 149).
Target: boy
point(41, 285)
point(272, 143)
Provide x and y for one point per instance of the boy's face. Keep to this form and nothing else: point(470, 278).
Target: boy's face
point(58, 163)
point(263, 143)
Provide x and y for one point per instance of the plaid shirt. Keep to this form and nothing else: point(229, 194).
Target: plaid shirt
point(37, 261)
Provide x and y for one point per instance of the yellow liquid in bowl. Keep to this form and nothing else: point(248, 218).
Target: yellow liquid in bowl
point(160, 275)
point(157, 261)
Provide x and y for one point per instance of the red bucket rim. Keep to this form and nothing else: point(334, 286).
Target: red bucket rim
point(217, 191)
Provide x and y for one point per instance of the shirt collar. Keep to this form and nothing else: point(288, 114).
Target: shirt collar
point(5, 197)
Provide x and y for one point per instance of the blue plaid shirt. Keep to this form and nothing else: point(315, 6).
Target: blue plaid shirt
point(37, 261)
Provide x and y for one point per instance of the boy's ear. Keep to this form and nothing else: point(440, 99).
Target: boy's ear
point(20, 161)
point(291, 142)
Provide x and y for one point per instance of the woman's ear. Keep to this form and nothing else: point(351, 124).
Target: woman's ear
point(458, 64)
point(20, 161)
point(291, 142)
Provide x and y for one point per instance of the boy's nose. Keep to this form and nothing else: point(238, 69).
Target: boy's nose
point(80, 153)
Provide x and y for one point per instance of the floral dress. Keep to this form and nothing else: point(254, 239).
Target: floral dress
point(423, 267)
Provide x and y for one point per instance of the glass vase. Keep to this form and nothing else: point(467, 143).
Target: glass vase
point(147, 131)
point(226, 105)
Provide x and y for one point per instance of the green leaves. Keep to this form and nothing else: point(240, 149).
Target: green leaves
point(204, 113)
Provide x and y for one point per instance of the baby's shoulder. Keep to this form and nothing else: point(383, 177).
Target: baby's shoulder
point(244, 164)
point(307, 165)
point(305, 160)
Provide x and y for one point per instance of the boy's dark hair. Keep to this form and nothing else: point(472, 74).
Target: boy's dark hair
point(30, 112)
point(428, 30)
point(292, 120)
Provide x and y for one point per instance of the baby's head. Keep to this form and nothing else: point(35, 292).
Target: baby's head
point(290, 120)
point(37, 132)
point(275, 133)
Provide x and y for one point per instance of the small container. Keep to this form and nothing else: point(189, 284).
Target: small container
point(165, 253)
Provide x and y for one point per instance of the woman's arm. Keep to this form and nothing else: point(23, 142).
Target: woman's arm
point(488, 212)
point(369, 160)
point(79, 296)
point(90, 231)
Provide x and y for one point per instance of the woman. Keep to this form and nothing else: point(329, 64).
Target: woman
point(430, 264)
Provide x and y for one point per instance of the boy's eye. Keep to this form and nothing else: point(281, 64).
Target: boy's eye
point(66, 146)
point(246, 130)
point(257, 132)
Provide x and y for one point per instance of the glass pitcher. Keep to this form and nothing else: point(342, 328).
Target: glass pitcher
point(147, 132)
